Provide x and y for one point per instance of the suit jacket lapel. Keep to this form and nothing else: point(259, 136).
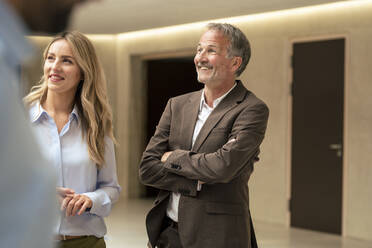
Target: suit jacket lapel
point(235, 97)
point(190, 115)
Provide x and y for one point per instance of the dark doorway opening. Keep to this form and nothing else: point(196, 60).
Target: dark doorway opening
point(317, 135)
point(166, 78)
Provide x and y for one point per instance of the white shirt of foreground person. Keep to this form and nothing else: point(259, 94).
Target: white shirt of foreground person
point(27, 184)
point(67, 151)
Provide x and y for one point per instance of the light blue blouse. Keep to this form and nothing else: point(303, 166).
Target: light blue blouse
point(67, 151)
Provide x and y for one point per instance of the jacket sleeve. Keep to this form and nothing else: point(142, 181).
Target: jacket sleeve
point(152, 171)
point(227, 162)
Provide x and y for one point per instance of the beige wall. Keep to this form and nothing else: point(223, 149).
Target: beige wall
point(268, 75)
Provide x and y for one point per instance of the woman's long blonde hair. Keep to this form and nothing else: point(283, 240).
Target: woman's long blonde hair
point(91, 96)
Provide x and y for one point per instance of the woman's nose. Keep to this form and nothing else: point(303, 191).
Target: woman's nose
point(55, 65)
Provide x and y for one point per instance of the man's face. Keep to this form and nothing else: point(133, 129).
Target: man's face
point(46, 16)
point(211, 60)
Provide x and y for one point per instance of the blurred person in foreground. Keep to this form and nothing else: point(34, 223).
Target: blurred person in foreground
point(203, 150)
point(73, 119)
point(27, 183)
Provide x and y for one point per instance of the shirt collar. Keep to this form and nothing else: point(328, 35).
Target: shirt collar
point(75, 113)
point(215, 102)
point(37, 111)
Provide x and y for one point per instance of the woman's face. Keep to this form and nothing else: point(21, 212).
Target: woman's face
point(61, 70)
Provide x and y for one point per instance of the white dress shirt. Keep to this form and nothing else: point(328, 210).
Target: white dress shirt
point(204, 112)
point(67, 152)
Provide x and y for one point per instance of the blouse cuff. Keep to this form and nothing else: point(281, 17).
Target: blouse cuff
point(101, 203)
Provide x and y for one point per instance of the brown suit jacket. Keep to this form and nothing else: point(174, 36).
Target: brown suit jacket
point(222, 156)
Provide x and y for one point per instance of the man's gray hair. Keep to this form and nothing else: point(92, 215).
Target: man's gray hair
point(239, 44)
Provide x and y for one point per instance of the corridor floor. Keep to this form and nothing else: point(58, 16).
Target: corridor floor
point(126, 229)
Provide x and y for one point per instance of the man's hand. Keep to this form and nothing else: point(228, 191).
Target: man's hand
point(165, 156)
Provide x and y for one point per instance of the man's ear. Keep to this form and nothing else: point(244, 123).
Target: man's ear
point(236, 62)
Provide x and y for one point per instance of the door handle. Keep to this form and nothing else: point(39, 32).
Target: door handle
point(336, 147)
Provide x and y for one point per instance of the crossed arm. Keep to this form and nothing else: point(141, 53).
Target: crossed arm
point(159, 164)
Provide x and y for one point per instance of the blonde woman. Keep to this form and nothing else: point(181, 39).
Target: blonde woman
point(73, 121)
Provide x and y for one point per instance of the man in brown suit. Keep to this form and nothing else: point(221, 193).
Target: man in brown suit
point(203, 150)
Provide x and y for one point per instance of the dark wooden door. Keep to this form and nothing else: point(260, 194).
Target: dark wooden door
point(317, 135)
point(167, 78)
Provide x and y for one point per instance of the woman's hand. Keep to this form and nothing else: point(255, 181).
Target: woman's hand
point(72, 202)
point(62, 193)
point(76, 203)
